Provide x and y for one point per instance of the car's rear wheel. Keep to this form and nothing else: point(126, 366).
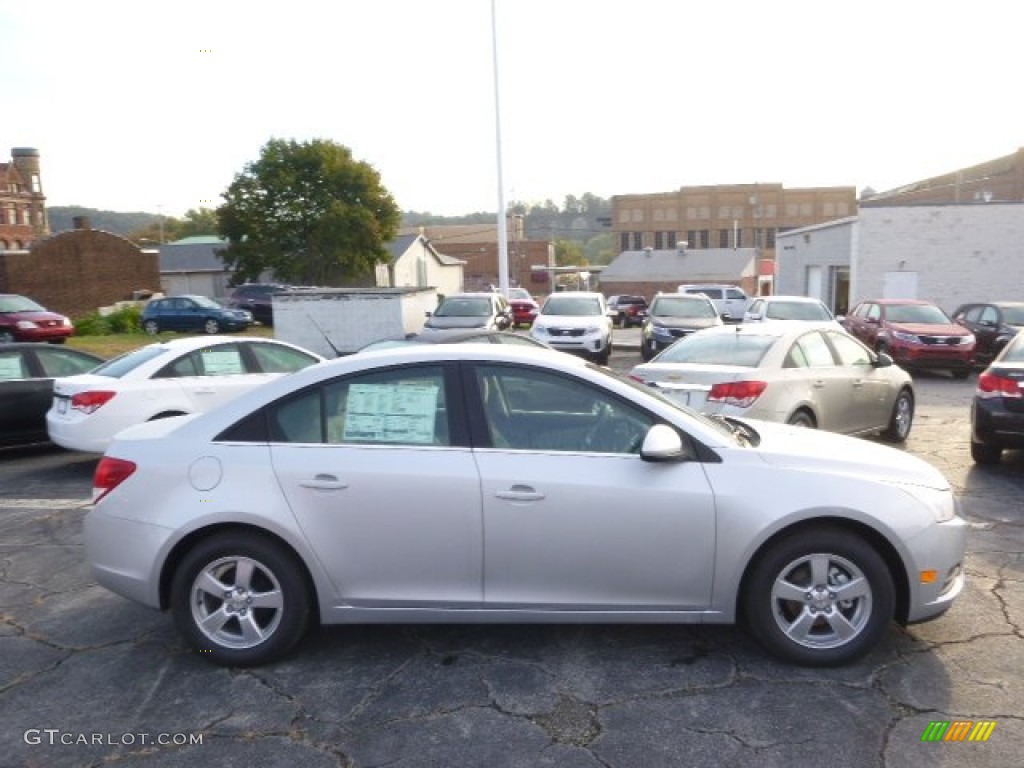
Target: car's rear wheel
point(240, 599)
point(6, 337)
point(647, 350)
point(802, 419)
point(901, 419)
point(820, 597)
point(983, 453)
point(211, 326)
point(151, 327)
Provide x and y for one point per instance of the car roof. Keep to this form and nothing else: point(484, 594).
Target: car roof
point(188, 343)
point(770, 328)
point(780, 297)
point(889, 302)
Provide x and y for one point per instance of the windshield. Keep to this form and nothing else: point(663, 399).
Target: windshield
point(682, 306)
point(572, 306)
point(464, 307)
point(129, 361)
point(796, 310)
point(19, 304)
point(732, 349)
point(916, 313)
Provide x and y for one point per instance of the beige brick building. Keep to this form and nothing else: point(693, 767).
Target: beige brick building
point(22, 202)
point(725, 216)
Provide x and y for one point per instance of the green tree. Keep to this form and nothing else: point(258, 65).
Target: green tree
point(198, 221)
point(309, 212)
point(568, 253)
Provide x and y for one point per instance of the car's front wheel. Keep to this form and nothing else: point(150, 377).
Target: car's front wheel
point(211, 326)
point(819, 597)
point(240, 599)
point(6, 337)
point(151, 327)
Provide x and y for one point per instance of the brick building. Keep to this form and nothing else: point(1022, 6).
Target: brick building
point(77, 272)
point(725, 216)
point(22, 202)
point(477, 246)
point(994, 181)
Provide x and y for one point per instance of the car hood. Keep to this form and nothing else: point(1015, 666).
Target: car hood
point(457, 322)
point(684, 322)
point(813, 450)
point(930, 329)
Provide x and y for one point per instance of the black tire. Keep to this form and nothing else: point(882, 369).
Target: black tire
point(794, 597)
point(901, 419)
point(984, 453)
point(6, 337)
point(802, 419)
point(211, 326)
point(276, 576)
point(646, 353)
point(601, 358)
point(151, 327)
point(961, 373)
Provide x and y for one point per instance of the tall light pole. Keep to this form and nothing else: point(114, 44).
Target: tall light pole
point(502, 222)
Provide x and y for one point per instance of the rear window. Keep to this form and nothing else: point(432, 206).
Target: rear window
point(129, 361)
point(796, 310)
point(711, 293)
point(719, 349)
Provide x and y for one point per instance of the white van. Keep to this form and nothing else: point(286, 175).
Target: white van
point(730, 301)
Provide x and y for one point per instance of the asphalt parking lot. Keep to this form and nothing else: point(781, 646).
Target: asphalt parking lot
point(88, 678)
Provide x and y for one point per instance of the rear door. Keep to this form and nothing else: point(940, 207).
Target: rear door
point(385, 487)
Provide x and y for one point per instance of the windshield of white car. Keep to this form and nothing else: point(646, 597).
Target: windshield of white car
point(571, 306)
point(732, 349)
point(796, 310)
point(129, 361)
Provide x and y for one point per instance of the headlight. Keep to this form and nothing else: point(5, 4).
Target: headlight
point(593, 329)
point(942, 504)
point(968, 339)
point(26, 324)
point(660, 332)
point(904, 336)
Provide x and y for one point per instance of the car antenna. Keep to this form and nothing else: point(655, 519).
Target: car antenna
point(337, 352)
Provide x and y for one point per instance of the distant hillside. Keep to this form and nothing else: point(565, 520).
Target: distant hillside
point(62, 219)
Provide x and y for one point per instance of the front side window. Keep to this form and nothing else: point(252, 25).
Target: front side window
point(535, 410)
point(273, 358)
point(850, 351)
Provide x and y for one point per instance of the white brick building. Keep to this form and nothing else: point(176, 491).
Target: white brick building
point(949, 254)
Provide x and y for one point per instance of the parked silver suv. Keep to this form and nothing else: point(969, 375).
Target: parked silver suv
point(730, 301)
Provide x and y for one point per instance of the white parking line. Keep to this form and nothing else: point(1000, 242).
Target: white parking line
point(44, 503)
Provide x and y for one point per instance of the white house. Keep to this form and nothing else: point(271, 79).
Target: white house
point(415, 263)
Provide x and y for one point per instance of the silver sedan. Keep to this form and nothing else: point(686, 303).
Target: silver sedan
point(803, 374)
point(494, 483)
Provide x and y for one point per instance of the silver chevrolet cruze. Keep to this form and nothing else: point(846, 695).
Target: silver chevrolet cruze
point(490, 483)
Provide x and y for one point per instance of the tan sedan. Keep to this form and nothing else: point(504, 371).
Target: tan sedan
point(810, 375)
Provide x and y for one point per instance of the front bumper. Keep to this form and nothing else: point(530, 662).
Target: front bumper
point(939, 548)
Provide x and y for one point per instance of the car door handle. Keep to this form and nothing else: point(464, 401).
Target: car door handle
point(818, 384)
point(858, 383)
point(520, 493)
point(325, 482)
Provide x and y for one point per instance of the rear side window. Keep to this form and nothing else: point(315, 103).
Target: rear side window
point(12, 365)
point(129, 361)
point(62, 362)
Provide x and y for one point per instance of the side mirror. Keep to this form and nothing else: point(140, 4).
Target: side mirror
point(871, 320)
point(429, 313)
point(662, 443)
point(884, 360)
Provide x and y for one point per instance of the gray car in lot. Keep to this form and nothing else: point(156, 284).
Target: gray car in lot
point(672, 316)
point(500, 484)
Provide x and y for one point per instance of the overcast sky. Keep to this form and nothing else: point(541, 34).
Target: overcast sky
point(155, 106)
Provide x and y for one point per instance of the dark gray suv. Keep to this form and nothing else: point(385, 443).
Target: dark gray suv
point(672, 316)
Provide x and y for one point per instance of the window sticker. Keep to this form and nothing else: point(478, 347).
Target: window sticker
point(391, 413)
point(11, 368)
point(221, 362)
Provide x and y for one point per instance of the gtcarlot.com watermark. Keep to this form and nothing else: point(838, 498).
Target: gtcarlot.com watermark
point(55, 736)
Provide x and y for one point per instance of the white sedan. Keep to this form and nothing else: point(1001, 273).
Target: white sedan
point(803, 374)
point(172, 378)
point(495, 483)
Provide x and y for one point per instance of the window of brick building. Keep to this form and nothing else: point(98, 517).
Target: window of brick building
point(624, 241)
point(638, 241)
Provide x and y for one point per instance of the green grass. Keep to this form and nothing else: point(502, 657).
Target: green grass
point(119, 343)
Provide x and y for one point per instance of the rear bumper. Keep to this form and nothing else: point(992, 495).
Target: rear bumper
point(993, 424)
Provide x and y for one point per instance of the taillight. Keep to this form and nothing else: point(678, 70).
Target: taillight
point(89, 402)
point(741, 394)
point(110, 473)
point(994, 385)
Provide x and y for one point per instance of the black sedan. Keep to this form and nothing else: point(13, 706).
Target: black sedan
point(997, 411)
point(27, 371)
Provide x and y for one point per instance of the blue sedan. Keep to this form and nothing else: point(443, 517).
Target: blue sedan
point(193, 313)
